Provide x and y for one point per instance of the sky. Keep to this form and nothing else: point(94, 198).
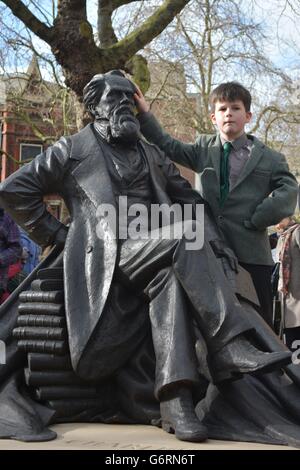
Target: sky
point(281, 24)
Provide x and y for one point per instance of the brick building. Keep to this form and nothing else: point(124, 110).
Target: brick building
point(31, 118)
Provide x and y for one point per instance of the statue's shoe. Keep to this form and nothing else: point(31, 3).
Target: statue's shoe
point(178, 416)
point(240, 357)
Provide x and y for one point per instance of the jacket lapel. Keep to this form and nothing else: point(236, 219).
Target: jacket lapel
point(158, 180)
point(91, 173)
point(255, 156)
point(215, 155)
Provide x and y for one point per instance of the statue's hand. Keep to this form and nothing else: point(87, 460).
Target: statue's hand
point(60, 236)
point(223, 251)
point(140, 102)
point(249, 225)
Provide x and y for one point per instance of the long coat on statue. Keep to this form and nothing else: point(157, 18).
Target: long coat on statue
point(100, 338)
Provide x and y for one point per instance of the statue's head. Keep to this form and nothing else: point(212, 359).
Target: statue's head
point(109, 99)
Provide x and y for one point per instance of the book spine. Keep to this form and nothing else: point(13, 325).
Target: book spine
point(38, 296)
point(41, 320)
point(40, 346)
point(47, 285)
point(37, 378)
point(42, 362)
point(49, 393)
point(31, 332)
point(41, 308)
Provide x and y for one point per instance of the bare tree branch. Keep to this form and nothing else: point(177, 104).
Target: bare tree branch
point(18, 162)
point(106, 33)
point(263, 112)
point(42, 11)
point(114, 4)
point(29, 19)
point(151, 28)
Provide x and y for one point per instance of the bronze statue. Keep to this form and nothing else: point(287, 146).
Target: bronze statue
point(186, 295)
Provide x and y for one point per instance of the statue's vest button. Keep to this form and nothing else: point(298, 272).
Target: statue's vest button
point(220, 219)
point(89, 249)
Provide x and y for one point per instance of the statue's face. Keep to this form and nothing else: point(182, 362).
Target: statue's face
point(116, 107)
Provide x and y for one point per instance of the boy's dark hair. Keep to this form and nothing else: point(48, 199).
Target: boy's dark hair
point(230, 91)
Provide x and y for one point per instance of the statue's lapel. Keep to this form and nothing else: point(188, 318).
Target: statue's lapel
point(91, 172)
point(158, 179)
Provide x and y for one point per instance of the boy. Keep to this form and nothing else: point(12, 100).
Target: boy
point(237, 175)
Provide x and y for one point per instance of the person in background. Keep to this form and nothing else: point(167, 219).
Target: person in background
point(273, 239)
point(31, 253)
point(288, 250)
point(18, 271)
point(10, 248)
point(277, 323)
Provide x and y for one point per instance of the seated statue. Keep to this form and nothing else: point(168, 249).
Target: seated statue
point(191, 307)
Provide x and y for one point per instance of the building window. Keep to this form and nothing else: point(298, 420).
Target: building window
point(29, 151)
point(53, 206)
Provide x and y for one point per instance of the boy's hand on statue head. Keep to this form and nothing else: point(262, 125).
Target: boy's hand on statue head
point(140, 102)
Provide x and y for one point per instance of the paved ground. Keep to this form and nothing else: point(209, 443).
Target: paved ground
point(124, 437)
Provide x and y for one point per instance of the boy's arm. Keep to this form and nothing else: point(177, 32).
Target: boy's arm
point(188, 155)
point(283, 200)
point(21, 194)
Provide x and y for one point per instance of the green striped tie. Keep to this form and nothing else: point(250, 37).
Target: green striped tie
point(224, 173)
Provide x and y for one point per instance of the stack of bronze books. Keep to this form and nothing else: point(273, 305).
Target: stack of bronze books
point(42, 333)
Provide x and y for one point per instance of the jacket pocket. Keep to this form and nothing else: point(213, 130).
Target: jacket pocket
point(262, 173)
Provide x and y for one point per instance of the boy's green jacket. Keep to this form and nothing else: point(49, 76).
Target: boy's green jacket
point(264, 194)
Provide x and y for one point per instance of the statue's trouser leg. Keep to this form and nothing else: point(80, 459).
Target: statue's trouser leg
point(217, 311)
point(172, 334)
point(219, 314)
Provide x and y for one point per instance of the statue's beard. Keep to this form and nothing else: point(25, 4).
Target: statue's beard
point(122, 127)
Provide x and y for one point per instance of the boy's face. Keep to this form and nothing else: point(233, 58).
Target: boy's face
point(230, 117)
